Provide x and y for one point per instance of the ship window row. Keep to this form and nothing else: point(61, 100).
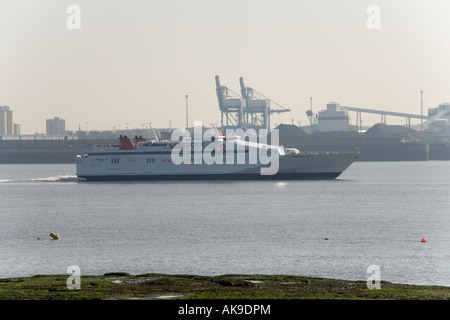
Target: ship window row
point(115, 160)
point(150, 160)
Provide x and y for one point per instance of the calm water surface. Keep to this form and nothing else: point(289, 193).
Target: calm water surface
point(375, 214)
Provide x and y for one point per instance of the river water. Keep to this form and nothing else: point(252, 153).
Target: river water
point(375, 213)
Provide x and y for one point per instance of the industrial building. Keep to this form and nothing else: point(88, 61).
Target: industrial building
point(438, 122)
point(434, 127)
point(333, 119)
point(336, 118)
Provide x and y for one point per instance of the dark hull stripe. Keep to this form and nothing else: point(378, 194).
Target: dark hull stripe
point(140, 153)
point(198, 177)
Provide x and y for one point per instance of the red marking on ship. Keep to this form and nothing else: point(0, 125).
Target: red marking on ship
point(126, 143)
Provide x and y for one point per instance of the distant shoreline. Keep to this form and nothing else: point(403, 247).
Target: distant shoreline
point(153, 286)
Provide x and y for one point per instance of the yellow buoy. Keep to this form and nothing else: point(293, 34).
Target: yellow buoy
point(54, 236)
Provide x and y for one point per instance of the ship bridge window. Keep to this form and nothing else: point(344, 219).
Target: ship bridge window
point(115, 160)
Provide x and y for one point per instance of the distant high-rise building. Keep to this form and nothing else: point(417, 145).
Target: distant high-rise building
point(3, 120)
point(55, 127)
point(16, 129)
point(6, 121)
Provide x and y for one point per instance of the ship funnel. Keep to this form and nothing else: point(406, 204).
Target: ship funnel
point(139, 139)
point(125, 143)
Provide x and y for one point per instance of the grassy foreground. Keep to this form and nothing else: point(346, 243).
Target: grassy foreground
point(122, 286)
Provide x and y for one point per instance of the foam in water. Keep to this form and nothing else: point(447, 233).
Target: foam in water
point(62, 178)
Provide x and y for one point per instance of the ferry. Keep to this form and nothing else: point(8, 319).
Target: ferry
point(221, 158)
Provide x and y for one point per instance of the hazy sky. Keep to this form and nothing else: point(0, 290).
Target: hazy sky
point(133, 62)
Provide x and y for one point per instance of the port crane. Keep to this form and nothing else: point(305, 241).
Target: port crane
point(250, 109)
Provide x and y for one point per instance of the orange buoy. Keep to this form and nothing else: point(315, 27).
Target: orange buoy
point(423, 240)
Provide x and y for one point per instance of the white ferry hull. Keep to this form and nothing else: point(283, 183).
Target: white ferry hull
point(137, 167)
